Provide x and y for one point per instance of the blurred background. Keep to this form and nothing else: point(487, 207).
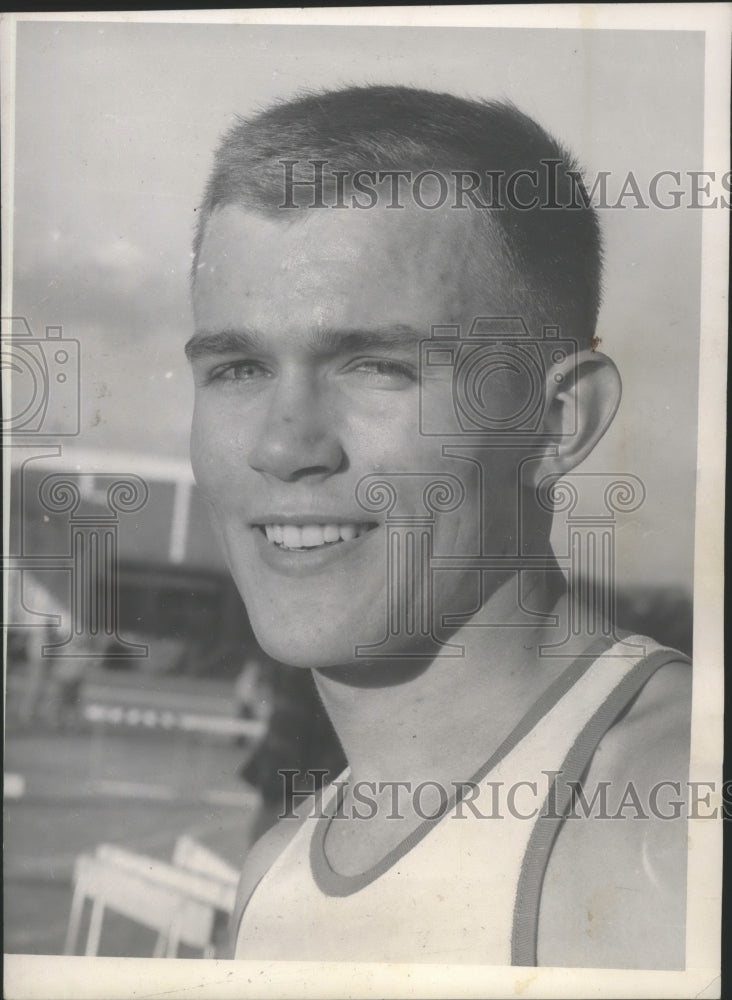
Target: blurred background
point(159, 731)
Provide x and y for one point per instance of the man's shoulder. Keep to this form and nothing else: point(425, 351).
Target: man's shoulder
point(614, 892)
point(652, 734)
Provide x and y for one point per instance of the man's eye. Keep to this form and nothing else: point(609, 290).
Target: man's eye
point(238, 371)
point(385, 371)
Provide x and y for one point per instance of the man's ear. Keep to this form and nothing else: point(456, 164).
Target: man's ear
point(582, 397)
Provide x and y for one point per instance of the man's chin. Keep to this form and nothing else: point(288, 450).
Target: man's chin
point(366, 661)
point(310, 626)
point(300, 648)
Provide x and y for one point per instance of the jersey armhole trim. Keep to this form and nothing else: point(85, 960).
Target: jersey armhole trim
point(237, 916)
point(241, 901)
point(553, 813)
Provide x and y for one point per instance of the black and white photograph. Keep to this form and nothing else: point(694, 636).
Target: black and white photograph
point(364, 379)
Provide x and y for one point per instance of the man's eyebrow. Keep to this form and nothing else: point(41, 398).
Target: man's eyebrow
point(223, 342)
point(325, 340)
point(392, 337)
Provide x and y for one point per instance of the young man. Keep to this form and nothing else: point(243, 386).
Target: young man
point(395, 295)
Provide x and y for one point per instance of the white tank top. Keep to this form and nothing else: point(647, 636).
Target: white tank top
point(464, 888)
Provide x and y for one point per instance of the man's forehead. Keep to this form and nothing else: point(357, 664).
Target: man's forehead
point(344, 269)
point(294, 236)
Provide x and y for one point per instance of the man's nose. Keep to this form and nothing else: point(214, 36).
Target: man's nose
point(298, 436)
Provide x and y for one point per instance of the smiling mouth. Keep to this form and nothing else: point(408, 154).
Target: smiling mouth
point(302, 538)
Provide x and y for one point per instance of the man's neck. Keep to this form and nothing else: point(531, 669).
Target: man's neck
point(449, 715)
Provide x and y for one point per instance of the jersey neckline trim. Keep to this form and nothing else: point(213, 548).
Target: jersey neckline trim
point(334, 883)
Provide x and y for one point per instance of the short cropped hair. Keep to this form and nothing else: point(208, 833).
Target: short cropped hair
point(553, 247)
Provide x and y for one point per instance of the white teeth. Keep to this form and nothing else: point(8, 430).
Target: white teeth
point(291, 536)
point(311, 536)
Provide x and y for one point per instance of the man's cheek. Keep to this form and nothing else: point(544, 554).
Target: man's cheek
point(220, 536)
point(199, 449)
point(212, 458)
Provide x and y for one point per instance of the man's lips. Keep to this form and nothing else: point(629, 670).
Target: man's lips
point(304, 549)
point(294, 535)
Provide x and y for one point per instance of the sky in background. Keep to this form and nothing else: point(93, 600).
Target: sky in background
point(115, 127)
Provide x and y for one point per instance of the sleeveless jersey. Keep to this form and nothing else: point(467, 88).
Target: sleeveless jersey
point(464, 888)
